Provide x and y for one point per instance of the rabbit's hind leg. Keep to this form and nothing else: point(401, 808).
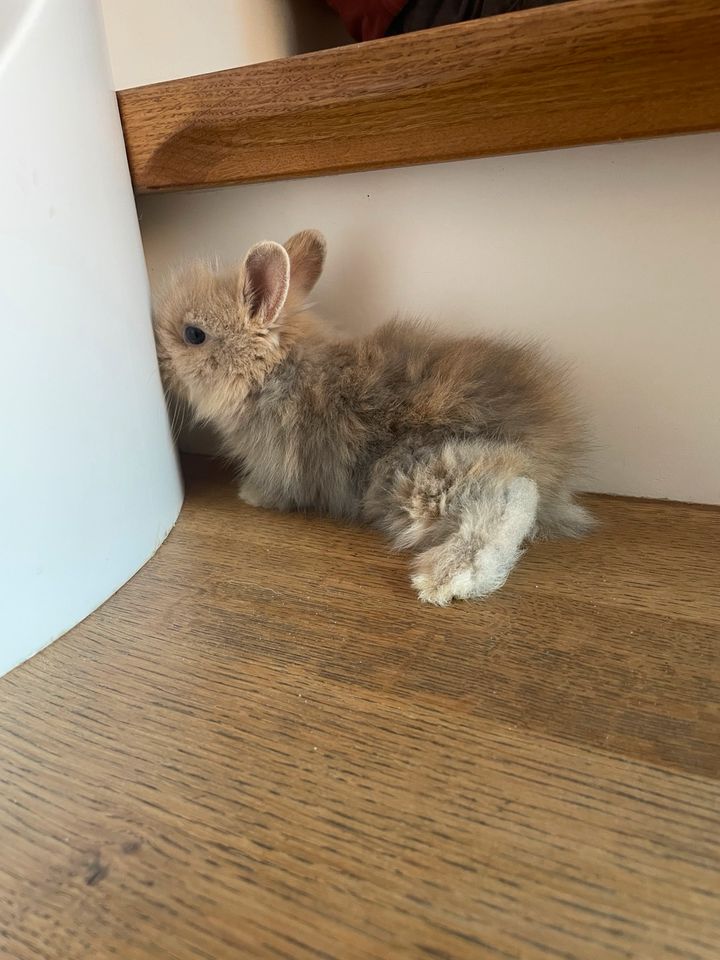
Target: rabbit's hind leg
point(467, 505)
point(477, 557)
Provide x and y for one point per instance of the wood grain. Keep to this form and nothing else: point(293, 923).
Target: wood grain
point(577, 73)
point(264, 747)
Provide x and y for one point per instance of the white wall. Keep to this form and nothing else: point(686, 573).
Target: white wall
point(153, 40)
point(609, 252)
point(89, 483)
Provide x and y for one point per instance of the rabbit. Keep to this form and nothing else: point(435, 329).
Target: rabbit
point(459, 449)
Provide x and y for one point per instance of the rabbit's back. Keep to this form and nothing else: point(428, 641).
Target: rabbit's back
point(337, 407)
point(405, 380)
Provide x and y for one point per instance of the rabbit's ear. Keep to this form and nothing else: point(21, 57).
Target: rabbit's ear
point(307, 256)
point(264, 282)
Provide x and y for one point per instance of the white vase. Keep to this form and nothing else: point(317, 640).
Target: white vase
point(89, 482)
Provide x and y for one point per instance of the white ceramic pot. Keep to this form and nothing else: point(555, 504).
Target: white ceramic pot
point(89, 483)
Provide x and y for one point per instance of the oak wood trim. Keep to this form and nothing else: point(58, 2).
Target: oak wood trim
point(584, 72)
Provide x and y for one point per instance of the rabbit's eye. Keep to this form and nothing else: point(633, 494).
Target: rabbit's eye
point(194, 336)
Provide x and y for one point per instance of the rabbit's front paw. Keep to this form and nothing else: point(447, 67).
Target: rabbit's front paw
point(250, 494)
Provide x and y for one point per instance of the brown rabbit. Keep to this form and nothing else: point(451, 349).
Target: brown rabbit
point(459, 449)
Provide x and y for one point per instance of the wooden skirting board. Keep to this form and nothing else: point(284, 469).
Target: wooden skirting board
point(584, 72)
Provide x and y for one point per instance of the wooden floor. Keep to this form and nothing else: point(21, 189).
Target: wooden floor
point(264, 746)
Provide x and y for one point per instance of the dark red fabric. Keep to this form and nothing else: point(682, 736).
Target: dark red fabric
point(367, 19)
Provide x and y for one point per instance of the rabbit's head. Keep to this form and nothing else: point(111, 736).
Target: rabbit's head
point(219, 333)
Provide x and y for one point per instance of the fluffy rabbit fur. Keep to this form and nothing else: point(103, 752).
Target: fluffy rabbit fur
point(459, 449)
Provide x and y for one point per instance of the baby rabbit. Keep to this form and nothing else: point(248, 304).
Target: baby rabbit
point(459, 449)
